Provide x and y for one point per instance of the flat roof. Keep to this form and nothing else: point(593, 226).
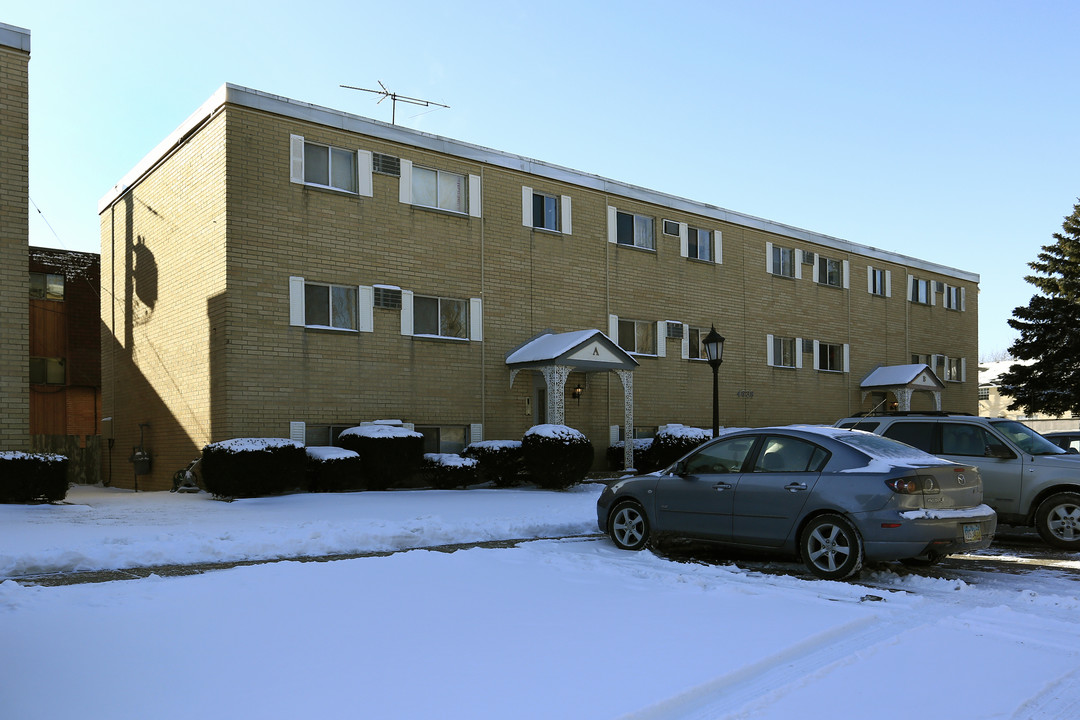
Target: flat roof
point(245, 97)
point(15, 37)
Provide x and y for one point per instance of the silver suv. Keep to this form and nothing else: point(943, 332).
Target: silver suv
point(1027, 479)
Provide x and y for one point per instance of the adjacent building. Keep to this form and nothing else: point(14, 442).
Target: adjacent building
point(65, 358)
point(279, 269)
point(14, 238)
point(994, 403)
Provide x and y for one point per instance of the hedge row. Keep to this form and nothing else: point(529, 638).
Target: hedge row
point(32, 477)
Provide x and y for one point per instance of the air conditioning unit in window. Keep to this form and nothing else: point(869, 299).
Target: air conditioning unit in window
point(388, 298)
point(674, 330)
point(386, 164)
point(808, 257)
point(939, 287)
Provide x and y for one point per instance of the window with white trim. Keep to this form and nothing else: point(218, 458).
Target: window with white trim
point(438, 189)
point(783, 351)
point(694, 348)
point(954, 369)
point(921, 291)
point(699, 243)
point(953, 298)
point(830, 357)
point(671, 227)
point(830, 272)
point(631, 229)
point(331, 306)
point(444, 438)
point(878, 281)
point(545, 212)
point(782, 261)
point(440, 317)
point(637, 336)
point(328, 166)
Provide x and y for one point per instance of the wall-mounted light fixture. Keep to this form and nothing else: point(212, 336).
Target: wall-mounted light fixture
point(576, 392)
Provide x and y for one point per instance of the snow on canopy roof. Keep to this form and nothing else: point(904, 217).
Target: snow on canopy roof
point(899, 376)
point(572, 348)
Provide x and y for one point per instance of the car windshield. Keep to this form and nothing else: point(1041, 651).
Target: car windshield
point(1025, 438)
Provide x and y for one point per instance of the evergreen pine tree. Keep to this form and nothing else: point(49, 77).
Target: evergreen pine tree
point(1049, 329)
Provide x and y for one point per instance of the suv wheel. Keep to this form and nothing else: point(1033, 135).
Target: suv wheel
point(1058, 520)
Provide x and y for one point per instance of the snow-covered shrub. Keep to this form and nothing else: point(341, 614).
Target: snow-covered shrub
point(253, 467)
point(447, 470)
point(673, 441)
point(332, 469)
point(498, 461)
point(556, 456)
point(32, 477)
point(641, 446)
point(389, 454)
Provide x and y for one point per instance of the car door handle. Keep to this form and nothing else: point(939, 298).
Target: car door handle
point(795, 487)
point(722, 486)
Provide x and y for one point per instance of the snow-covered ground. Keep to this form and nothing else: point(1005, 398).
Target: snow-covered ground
point(549, 629)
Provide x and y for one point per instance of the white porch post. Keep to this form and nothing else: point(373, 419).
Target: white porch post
point(627, 377)
point(903, 399)
point(937, 400)
point(555, 377)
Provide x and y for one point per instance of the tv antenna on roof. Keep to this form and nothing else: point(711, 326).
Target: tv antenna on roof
point(394, 97)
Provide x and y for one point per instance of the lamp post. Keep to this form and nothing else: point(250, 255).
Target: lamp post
point(714, 351)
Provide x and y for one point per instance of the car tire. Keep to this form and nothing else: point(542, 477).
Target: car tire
point(628, 526)
point(1058, 520)
point(831, 548)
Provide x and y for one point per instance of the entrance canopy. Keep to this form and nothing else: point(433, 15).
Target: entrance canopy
point(556, 355)
point(902, 381)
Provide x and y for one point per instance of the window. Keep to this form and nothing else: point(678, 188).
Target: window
point(917, 359)
point(699, 244)
point(696, 351)
point(634, 230)
point(329, 167)
point(831, 357)
point(984, 393)
point(964, 439)
point(878, 281)
point(444, 438)
point(440, 317)
point(920, 291)
point(916, 434)
point(46, 286)
point(637, 336)
point(438, 189)
point(786, 454)
point(331, 306)
point(954, 369)
point(671, 228)
point(47, 371)
point(782, 261)
point(725, 456)
point(782, 351)
point(324, 435)
point(954, 298)
point(545, 212)
point(830, 272)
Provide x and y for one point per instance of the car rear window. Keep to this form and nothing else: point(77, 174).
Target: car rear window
point(886, 449)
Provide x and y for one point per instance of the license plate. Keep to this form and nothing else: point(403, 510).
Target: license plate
point(972, 532)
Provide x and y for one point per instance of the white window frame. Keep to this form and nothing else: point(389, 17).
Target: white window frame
point(365, 305)
point(878, 281)
point(845, 357)
point(474, 322)
point(781, 251)
point(473, 197)
point(774, 346)
point(920, 291)
point(361, 166)
point(701, 332)
point(715, 243)
point(641, 327)
point(639, 221)
point(954, 298)
point(563, 206)
point(821, 271)
point(955, 369)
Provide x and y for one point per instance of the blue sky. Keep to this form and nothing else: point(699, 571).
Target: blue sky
point(936, 129)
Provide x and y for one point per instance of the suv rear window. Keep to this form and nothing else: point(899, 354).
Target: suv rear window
point(916, 434)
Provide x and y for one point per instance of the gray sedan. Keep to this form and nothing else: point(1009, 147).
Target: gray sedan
point(832, 497)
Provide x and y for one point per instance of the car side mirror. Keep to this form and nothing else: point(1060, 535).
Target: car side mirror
point(1000, 452)
point(1072, 450)
point(678, 468)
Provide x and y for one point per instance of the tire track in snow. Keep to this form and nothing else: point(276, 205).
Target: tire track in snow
point(760, 683)
point(1060, 699)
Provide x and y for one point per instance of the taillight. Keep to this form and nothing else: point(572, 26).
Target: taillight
point(925, 484)
point(904, 486)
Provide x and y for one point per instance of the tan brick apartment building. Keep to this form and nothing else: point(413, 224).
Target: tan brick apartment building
point(14, 239)
point(275, 268)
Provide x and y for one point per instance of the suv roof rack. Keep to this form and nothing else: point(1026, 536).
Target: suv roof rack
point(917, 413)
